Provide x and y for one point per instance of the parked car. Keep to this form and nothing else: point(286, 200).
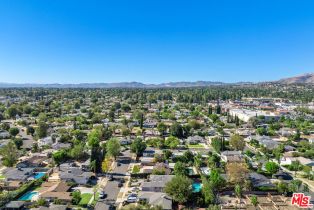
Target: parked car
point(132, 198)
point(102, 195)
point(120, 184)
point(110, 178)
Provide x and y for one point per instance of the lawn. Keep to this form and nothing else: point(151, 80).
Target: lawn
point(96, 199)
point(85, 198)
point(136, 169)
point(2, 177)
point(192, 146)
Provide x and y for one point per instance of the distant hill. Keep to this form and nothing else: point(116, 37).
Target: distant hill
point(121, 85)
point(302, 79)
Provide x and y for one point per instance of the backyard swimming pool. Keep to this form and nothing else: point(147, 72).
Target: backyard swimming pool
point(38, 175)
point(196, 187)
point(28, 196)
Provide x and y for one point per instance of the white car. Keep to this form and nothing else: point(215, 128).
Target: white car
point(132, 198)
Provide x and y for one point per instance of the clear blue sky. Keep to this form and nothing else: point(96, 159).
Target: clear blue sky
point(153, 41)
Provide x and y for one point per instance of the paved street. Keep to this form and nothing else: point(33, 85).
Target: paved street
point(111, 189)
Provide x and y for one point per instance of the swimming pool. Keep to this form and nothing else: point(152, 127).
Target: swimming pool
point(38, 175)
point(28, 196)
point(196, 187)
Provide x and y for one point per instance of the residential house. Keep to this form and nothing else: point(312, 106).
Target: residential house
point(149, 152)
point(147, 161)
point(156, 183)
point(4, 135)
point(150, 123)
point(51, 191)
point(70, 173)
point(33, 162)
point(47, 141)
point(266, 141)
point(304, 161)
point(232, 156)
point(259, 180)
point(195, 140)
point(15, 205)
point(17, 174)
point(125, 141)
point(54, 207)
point(156, 199)
point(59, 145)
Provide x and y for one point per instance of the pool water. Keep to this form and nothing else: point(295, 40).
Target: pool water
point(196, 187)
point(28, 196)
point(38, 175)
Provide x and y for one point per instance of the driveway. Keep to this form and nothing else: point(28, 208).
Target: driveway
point(84, 190)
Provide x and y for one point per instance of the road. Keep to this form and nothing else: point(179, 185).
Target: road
point(111, 189)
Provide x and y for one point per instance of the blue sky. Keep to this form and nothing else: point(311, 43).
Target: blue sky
point(155, 41)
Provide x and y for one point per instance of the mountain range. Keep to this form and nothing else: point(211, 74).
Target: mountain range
point(301, 79)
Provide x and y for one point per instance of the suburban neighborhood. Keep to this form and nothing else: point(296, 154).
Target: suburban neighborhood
point(200, 148)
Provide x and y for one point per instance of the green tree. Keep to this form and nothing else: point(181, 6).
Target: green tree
point(254, 200)
point(213, 161)
point(176, 130)
point(210, 110)
point(59, 156)
point(138, 146)
point(94, 138)
point(96, 154)
point(113, 148)
point(237, 142)
point(218, 182)
point(41, 130)
point(12, 111)
point(282, 187)
point(18, 142)
point(14, 131)
point(172, 142)
point(180, 169)
point(78, 152)
point(93, 165)
point(5, 126)
point(216, 144)
point(30, 130)
point(41, 202)
point(238, 191)
point(306, 188)
point(208, 192)
point(271, 167)
point(277, 152)
point(179, 188)
point(162, 128)
point(9, 154)
point(167, 154)
point(76, 197)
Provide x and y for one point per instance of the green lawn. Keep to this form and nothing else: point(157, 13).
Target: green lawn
point(195, 146)
point(2, 177)
point(85, 198)
point(37, 188)
point(96, 199)
point(136, 169)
